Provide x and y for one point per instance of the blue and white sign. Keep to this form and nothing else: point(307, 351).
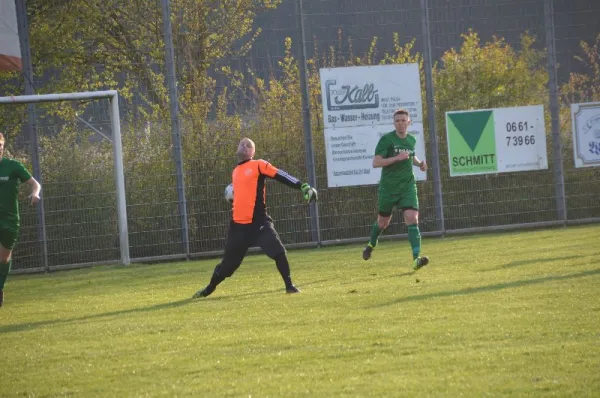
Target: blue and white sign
point(586, 134)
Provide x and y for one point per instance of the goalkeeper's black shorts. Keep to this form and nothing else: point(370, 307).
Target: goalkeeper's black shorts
point(241, 237)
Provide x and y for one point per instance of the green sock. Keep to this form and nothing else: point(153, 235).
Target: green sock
point(375, 233)
point(4, 270)
point(414, 237)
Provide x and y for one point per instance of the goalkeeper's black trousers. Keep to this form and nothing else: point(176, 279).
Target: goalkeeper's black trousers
point(240, 237)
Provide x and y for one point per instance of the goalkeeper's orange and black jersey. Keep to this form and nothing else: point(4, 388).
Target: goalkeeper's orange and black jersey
point(249, 205)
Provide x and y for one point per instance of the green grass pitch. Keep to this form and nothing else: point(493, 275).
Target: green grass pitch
point(507, 314)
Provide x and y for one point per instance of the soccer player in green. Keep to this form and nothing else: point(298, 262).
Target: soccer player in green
point(12, 173)
point(395, 154)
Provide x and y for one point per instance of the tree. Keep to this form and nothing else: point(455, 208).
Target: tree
point(87, 45)
point(585, 87)
point(581, 87)
point(84, 45)
point(490, 75)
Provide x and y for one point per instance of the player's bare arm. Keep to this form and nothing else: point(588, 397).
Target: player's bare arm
point(421, 164)
point(35, 189)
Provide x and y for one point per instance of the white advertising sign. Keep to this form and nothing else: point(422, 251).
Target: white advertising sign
point(358, 107)
point(586, 134)
point(10, 47)
point(350, 154)
point(496, 140)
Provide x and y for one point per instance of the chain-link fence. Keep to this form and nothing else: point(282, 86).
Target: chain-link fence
point(236, 71)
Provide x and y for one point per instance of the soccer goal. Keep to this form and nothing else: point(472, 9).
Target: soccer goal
point(74, 147)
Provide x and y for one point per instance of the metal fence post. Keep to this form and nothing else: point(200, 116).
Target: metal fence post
point(175, 128)
point(559, 177)
point(27, 70)
point(306, 117)
point(435, 152)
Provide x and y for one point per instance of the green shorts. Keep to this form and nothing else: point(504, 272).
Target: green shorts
point(404, 197)
point(8, 237)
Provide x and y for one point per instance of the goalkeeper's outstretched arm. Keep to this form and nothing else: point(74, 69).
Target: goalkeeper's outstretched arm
point(287, 179)
point(309, 193)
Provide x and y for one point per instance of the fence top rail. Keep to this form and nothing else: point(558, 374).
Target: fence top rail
point(21, 99)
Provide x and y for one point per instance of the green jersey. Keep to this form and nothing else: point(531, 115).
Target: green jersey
point(396, 175)
point(12, 173)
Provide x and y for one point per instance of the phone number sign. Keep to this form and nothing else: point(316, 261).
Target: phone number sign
point(496, 140)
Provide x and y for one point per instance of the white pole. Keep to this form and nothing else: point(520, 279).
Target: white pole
point(119, 179)
point(21, 99)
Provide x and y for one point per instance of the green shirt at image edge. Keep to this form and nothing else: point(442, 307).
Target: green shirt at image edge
point(12, 174)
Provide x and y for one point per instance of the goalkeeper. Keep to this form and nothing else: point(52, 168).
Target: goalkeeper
point(250, 224)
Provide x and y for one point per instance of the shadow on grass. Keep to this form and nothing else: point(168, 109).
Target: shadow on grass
point(377, 276)
point(32, 325)
point(489, 288)
point(531, 261)
point(174, 304)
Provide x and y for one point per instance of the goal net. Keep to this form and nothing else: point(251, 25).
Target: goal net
point(71, 142)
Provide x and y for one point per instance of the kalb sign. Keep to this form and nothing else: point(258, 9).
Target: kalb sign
point(347, 97)
point(358, 107)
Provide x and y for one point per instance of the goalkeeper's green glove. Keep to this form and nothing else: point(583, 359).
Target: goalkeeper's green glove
point(309, 193)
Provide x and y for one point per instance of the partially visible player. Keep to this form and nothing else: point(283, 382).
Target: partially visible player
point(250, 224)
point(395, 154)
point(12, 174)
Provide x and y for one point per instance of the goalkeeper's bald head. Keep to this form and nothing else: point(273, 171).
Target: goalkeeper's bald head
point(246, 149)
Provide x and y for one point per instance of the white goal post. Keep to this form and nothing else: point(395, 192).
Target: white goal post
point(113, 97)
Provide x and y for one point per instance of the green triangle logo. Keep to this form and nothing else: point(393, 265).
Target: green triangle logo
point(470, 125)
